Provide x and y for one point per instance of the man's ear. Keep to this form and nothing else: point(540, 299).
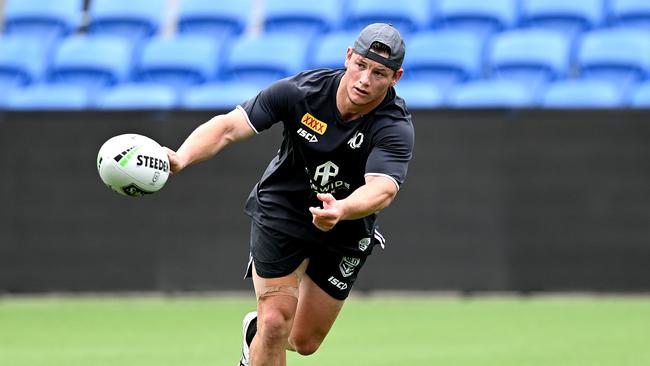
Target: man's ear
point(348, 56)
point(398, 75)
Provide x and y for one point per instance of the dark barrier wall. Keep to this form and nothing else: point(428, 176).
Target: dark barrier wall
point(495, 200)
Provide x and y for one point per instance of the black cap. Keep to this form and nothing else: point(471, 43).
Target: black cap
point(387, 35)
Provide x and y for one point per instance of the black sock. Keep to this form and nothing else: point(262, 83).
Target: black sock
point(250, 332)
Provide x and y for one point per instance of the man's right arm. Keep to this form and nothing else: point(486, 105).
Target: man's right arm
point(210, 138)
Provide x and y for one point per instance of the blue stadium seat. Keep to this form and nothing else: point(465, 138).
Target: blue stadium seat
point(265, 58)
point(23, 60)
point(418, 94)
point(533, 56)
point(640, 97)
point(444, 57)
point(44, 19)
point(407, 16)
point(491, 94)
point(219, 19)
point(618, 55)
point(180, 61)
point(570, 17)
point(630, 13)
point(130, 96)
point(49, 97)
point(577, 94)
point(93, 62)
point(220, 95)
point(329, 49)
point(132, 19)
point(302, 17)
point(481, 16)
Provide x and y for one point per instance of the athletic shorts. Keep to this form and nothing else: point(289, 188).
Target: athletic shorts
point(277, 254)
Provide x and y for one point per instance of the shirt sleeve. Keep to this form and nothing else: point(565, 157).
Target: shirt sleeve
point(270, 106)
point(392, 153)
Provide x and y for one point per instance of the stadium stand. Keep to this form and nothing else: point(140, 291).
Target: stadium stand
point(265, 57)
point(621, 56)
point(178, 61)
point(223, 95)
point(630, 13)
point(563, 44)
point(93, 62)
point(23, 60)
point(129, 96)
point(133, 20)
point(640, 97)
point(479, 16)
point(420, 95)
point(444, 57)
point(49, 97)
point(491, 94)
point(571, 94)
point(409, 17)
point(221, 19)
point(302, 17)
point(532, 56)
point(570, 17)
point(329, 49)
point(43, 19)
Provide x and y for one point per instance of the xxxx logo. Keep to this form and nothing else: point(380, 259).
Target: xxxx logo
point(315, 125)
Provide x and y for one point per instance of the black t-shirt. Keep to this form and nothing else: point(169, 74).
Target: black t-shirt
point(321, 152)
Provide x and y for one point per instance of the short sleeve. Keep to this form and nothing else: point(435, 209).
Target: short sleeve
point(392, 152)
point(270, 106)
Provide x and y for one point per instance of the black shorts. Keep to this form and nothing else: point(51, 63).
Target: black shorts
point(277, 254)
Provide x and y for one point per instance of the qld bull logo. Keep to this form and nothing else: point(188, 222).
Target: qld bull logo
point(347, 265)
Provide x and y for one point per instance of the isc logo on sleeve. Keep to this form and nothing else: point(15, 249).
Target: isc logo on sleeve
point(313, 124)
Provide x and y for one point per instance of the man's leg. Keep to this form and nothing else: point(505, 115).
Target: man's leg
point(277, 300)
point(314, 317)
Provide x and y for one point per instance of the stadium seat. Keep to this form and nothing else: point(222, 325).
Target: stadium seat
point(179, 61)
point(265, 58)
point(418, 94)
point(133, 20)
point(219, 96)
point(329, 49)
point(481, 16)
point(533, 56)
point(44, 19)
point(49, 97)
point(630, 13)
point(491, 94)
point(407, 16)
point(302, 17)
point(444, 57)
point(23, 60)
point(129, 96)
point(621, 56)
point(576, 94)
point(640, 96)
point(219, 19)
point(93, 62)
point(570, 17)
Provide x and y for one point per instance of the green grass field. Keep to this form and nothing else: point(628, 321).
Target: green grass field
point(498, 331)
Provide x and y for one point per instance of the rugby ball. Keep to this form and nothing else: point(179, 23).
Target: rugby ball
point(133, 165)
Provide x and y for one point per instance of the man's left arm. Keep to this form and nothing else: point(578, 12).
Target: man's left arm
point(374, 196)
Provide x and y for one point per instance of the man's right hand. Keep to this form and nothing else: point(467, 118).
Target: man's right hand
point(176, 164)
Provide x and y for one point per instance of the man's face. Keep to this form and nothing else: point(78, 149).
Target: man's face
point(368, 80)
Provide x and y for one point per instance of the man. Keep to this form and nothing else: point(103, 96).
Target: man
point(347, 142)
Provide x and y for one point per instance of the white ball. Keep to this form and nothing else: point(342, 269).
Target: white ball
point(133, 165)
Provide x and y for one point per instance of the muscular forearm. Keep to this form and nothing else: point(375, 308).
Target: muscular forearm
point(366, 200)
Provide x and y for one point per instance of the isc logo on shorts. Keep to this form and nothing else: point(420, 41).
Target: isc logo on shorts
point(313, 124)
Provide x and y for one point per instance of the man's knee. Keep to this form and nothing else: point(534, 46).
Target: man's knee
point(274, 324)
point(305, 345)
